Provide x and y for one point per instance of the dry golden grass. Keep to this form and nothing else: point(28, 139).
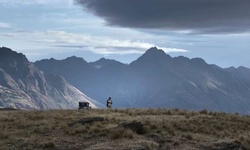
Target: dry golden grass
point(163, 129)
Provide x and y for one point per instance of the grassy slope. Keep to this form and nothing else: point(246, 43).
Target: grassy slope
point(164, 129)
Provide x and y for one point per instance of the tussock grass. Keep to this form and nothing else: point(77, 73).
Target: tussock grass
point(164, 129)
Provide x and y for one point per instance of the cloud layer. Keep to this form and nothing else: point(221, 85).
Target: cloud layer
point(100, 45)
point(4, 25)
point(189, 16)
point(30, 2)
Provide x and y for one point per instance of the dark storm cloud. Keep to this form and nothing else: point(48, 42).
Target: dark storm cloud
point(200, 16)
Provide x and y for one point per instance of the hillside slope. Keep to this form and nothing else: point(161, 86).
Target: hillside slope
point(124, 129)
point(24, 86)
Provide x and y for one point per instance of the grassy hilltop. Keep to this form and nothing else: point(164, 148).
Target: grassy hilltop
point(135, 129)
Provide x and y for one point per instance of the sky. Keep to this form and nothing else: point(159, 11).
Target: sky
point(216, 30)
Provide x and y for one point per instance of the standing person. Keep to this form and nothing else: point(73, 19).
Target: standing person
point(109, 102)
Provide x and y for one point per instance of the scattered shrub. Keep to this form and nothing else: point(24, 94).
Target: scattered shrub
point(121, 133)
point(204, 112)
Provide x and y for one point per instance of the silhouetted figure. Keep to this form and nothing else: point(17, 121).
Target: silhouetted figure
point(109, 103)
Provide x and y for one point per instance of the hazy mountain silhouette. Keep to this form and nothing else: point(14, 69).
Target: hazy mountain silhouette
point(240, 72)
point(99, 78)
point(157, 80)
point(24, 86)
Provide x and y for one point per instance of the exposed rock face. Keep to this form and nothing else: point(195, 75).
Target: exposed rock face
point(157, 80)
point(24, 86)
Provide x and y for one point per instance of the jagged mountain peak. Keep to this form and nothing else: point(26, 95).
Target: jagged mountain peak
point(75, 61)
point(232, 67)
point(199, 62)
point(154, 52)
point(195, 62)
point(71, 59)
point(7, 51)
point(102, 59)
point(244, 71)
point(70, 64)
point(153, 55)
point(104, 62)
point(14, 63)
point(240, 72)
point(74, 58)
point(181, 59)
point(50, 59)
point(242, 68)
point(7, 55)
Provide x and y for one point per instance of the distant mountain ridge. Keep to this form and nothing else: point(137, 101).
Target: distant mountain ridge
point(24, 86)
point(240, 72)
point(157, 80)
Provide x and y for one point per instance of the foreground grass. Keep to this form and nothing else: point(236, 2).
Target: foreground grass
point(163, 129)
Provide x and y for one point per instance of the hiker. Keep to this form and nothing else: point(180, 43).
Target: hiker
point(109, 102)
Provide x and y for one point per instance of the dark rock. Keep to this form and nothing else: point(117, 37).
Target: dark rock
point(86, 121)
point(138, 148)
point(135, 126)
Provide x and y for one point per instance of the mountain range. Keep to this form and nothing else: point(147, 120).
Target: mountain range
point(156, 79)
point(24, 86)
